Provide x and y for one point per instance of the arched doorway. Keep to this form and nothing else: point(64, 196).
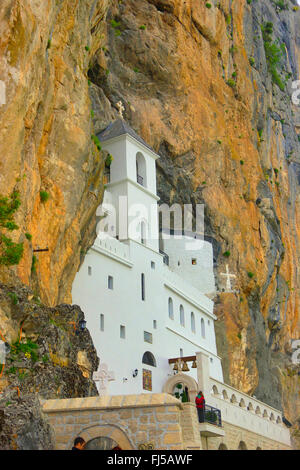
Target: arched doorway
point(189, 385)
point(102, 437)
point(242, 446)
point(101, 443)
point(222, 446)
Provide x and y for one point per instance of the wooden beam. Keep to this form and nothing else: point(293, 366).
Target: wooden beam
point(184, 359)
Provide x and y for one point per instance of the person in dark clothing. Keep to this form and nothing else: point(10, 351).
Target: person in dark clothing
point(79, 444)
point(200, 404)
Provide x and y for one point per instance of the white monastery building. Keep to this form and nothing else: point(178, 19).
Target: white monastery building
point(148, 298)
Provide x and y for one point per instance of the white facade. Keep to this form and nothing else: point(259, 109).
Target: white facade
point(172, 317)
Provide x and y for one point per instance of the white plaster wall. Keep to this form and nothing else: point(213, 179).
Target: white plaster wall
point(200, 275)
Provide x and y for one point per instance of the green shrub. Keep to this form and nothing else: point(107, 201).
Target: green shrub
point(280, 4)
point(44, 196)
point(273, 54)
point(226, 254)
point(251, 61)
point(14, 298)
point(231, 83)
point(208, 5)
point(33, 264)
point(143, 27)
point(28, 236)
point(11, 253)
point(108, 160)
point(116, 24)
point(96, 141)
point(250, 274)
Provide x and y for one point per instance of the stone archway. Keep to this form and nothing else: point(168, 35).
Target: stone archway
point(109, 432)
point(184, 379)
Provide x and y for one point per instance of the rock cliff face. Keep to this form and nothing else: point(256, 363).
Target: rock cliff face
point(208, 85)
point(45, 137)
point(49, 356)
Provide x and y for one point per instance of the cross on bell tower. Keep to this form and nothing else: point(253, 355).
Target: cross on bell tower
point(121, 109)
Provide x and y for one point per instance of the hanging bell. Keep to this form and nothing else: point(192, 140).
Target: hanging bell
point(175, 366)
point(185, 367)
point(194, 365)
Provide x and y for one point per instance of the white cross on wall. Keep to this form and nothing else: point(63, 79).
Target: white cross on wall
point(103, 376)
point(120, 108)
point(228, 279)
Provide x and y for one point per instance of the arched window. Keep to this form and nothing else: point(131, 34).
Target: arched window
point(233, 399)
point(193, 324)
point(181, 309)
point(149, 359)
point(171, 312)
point(141, 175)
point(225, 395)
point(143, 232)
point(202, 328)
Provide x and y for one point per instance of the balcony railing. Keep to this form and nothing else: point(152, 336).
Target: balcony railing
point(212, 415)
point(140, 180)
point(166, 257)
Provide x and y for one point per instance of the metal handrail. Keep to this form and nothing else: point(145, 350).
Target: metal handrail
point(212, 415)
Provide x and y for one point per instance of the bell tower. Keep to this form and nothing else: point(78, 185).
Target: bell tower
point(131, 189)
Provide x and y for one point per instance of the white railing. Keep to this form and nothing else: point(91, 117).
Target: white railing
point(247, 412)
point(113, 247)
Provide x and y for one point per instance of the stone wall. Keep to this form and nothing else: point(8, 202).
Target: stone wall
point(139, 421)
point(131, 420)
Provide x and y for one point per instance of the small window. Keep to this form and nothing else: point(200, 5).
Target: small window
point(154, 324)
point(171, 314)
point(148, 337)
point(143, 286)
point(181, 352)
point(89, 270)
point(101, 322)
point(193, 324)
point(202, 328)
point(211, 359)
point(122, 331)
point(194, 261)
point(110, 282)
point(152, 265)
point(182, 321)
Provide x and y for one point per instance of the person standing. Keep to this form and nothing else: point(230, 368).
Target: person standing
point(200, 404)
